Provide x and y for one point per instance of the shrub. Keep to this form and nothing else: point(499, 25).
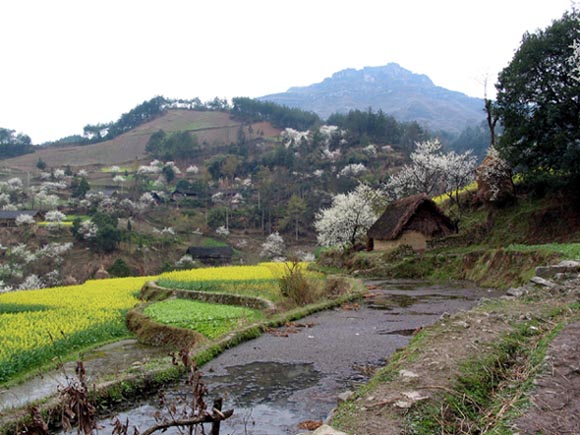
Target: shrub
point(119, 268)
point(294, 285)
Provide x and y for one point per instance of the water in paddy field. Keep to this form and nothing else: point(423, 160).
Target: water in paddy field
point(112, 358)
point(295, 374)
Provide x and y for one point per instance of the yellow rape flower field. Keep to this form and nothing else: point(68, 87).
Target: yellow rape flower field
point(38, 325)
point(262, 271)
point(259, 280)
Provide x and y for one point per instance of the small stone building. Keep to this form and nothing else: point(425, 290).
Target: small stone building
point(410, 221)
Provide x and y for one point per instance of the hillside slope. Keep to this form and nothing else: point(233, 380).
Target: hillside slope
point(395, 90)
point(211, 128)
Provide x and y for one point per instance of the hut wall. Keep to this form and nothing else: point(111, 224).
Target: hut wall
point(414, 239)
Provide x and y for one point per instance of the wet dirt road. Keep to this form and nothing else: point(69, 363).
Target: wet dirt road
point(295, 374)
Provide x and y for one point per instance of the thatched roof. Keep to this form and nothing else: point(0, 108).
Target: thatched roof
point(416, 212)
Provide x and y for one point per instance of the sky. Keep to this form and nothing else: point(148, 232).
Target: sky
point(69, 63)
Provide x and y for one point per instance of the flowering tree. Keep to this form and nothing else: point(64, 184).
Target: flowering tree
point(494, 178)
point(54, 218)
point(192, 170)
point(458, 171)
point(24, 219)
point(186, 262)
point(273, 247)
point(45, 201)
point(346, 222)
point(433, 171)
point(26, 269)
point(222, 231)
point(4, 199)
point(422, 175)
point(31, 282)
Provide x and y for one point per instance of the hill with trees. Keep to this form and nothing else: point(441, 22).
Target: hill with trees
point(171, 174)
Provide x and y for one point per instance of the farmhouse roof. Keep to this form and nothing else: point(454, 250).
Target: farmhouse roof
point(184, 190)
point(215, 252)
point(399, 214)
point(13, 214)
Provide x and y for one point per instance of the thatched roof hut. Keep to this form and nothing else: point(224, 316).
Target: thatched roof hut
point(410, 221)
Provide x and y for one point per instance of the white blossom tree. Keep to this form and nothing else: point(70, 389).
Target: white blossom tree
point(24, 219)
point(352, 170)
point(222, 231)
point(146, 199)
point(31, 282)
point(186, 262)
point(422, 175)
point(273, 247)
point(574, 59)
point(192, 170)
point(4, 288)
point(54, 218)
point(59, 174)
point(432, 171)
point(458, 171)
point(346, 222)
point(494, 178)
point(88, 230)
point(46, 201)
point(4, 199)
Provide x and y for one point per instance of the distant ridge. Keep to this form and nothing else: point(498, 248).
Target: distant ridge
point(397, 91)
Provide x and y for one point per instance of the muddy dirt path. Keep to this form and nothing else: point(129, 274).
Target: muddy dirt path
point(295, 374)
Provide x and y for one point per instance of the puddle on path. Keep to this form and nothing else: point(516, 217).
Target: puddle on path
point(261, 394)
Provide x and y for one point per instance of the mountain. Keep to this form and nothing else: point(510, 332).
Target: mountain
point(396, 91)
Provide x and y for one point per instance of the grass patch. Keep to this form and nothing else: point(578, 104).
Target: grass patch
point(212, 320)
point(569, 251)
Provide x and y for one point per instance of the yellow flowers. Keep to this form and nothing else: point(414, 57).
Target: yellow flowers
point(39, 325)
point(36, 325)
point(440, 199)
point(263, 271)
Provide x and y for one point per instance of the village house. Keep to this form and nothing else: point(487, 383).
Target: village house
point(410, 221)
point(213, 255)
point(8, 217)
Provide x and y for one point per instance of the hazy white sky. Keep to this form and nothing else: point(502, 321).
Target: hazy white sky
point(68, 63)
